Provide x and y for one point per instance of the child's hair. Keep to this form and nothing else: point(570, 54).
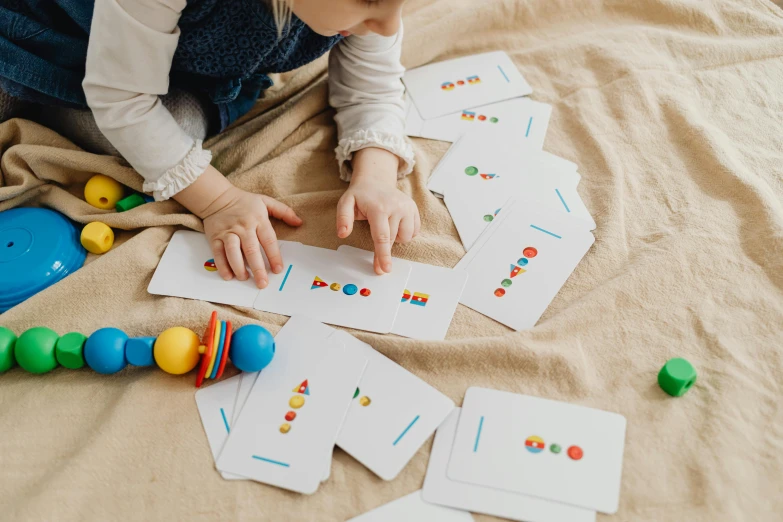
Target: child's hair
point(281, 11)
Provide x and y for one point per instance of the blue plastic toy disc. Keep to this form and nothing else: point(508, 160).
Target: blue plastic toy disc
point(38, 247)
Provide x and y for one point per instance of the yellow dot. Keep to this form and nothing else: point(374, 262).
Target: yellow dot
point(285, 427)
point(365, 401)
point(335, 286)
point(296, 402)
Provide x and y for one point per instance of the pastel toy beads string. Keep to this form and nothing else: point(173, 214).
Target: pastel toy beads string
point(177, 350)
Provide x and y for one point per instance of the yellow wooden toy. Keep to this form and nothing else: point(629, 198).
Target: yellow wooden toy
point(103, 192)
point(97, 237)
point(176, 350)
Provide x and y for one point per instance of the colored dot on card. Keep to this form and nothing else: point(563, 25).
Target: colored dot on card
point(350, 289)
point(285, 428)
point(291, 415)
point(365, 401)
point(460, 82)
point(575, 452)
point(365, 292)
point(493, 120)
point(534, 444)
point(471, 171)
point(335, 286)
point(555, 448)
point(505, 283)
point(500, 292)
point(482, 118)
point(296, 402)
point(522, 261)
point(530, 252)
point(488, 218)
point(356, 393)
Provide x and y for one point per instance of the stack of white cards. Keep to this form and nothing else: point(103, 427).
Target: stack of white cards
point(323, 388)
point(516, 208)
point(336, 287)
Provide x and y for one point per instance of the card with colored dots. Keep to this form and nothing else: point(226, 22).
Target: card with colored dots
point(286, 431)
point(524, 119)
point(440, 489)
point(538, 447)
point(413, 508)
point(429, 301)
point(392, 414)
point(470, 81)
point(521, 265)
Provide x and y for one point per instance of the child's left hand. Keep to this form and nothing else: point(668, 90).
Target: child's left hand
point(373, 195)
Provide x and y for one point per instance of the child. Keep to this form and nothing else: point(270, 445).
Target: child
point(221, 51)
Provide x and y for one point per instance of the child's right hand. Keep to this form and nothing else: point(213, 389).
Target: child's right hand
point(236, 222)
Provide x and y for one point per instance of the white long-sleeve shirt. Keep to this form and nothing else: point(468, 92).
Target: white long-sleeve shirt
point(129, 57)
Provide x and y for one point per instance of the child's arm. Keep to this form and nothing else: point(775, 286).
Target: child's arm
point(129, 57)
point(365, 88)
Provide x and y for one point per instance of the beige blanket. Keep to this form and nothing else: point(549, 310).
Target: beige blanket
point(672, 109)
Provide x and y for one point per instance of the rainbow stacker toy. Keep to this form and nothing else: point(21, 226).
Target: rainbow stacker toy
point(176, 351)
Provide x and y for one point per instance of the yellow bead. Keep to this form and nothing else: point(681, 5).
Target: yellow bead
point(176, 350)
point(103, 192)
point(285, 428)
point(296, 402)
point(365, 401)
point(97, 237)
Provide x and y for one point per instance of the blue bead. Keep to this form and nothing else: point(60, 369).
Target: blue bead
point(104, 350)
point(138, 351)
point(350, 289)
point(252, 348)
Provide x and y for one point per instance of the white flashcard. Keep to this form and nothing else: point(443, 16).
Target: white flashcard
point(522, 118)
point(429, 301)
point(335, 288)
point(471, 81)
point(392, 414)
point(412, 508)
point(246, 382)
point(547, 449)
point(523, 264)
point(215, 405)
point(286, 432)
point(440, 489)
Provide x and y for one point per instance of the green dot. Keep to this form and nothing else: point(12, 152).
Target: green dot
point(35, 350)
point(555, 448)
point(69, 350)
point(356, 394)
point(7, 342)
point(505, 283)
point(471, 171)
point(495, 120)
point(488, 218)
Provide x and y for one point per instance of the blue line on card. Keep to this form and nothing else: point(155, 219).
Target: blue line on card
point(529, 123)
point(225, 421)
point(272, 461)
point(285, 278)
point(546, 231)
point(406, 430)
point(562, 200)
point(504, 74)
point(478, 434)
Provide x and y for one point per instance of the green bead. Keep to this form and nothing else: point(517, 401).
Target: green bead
point(132, 201)
point(7, 342)
point(35, 350)
point(555, 448)
point(69, 350)
point(676, 377)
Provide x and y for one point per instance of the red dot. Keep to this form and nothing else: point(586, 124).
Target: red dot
point(290, 416)
point(460, 82)
point(575, 452)
point(482, 118)
point(364, 292)
point(530, 252)
point(500, 292)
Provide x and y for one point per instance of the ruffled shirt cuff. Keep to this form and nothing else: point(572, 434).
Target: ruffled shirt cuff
point(181, 175)
point(361, 139)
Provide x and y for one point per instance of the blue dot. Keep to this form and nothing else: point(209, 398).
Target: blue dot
point(350, 289)
point(522, 261)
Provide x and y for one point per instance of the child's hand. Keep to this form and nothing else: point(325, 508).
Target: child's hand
point(373, 195)
point(236, 222)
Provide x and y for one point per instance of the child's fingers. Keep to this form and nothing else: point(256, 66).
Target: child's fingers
point(345, 215)
point(234, 255)
point(218, 250)
point(406, 230)
point(252, 250)
point(381, 237)
point(266, 235)
point(282, 212)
